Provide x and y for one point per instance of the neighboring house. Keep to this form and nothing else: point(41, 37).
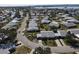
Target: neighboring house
point(65, 15)
point(18, 19)
point(75, 32)
point(32, 26)
point(68, 18)
point(34, 19)
point(32, 29)
point(54, 23)
point(14, 21)
point(45, 20)
point(73, 21)
point(12, 24)
point(51, 34)
point(69, 25)
point(61, 34)
point(1, 18)
point(13, 14)
point(46, 34)
point(32, 14)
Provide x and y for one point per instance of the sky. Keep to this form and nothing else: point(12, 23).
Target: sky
point(35, 2)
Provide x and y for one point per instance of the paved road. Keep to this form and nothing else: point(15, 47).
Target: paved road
point(27, 42)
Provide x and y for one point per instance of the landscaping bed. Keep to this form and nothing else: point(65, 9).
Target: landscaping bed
point(30, 35)
point(49, 43)
point(44, 26)
point(22, 50)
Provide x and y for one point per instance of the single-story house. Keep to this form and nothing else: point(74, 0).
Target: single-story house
point(45, 21)
point(32, 29)
point(51, 34)
point(12, 24)
point(75, 32)
point(32, 26)
point(68, 18)
point(65, 15)
point(32, 14)
point(18, 19)
point(13, 14)
point(61, 33)
point(15, 21)
point(1, 18)
point(34, 19)
point(54, 23)
point(69, 25)
point(73, 21)
point(46, 34)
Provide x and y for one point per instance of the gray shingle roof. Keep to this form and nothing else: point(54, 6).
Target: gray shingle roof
point(46, 34)
point(53, 23)
point(45, 20)
point(68, 25)
point(32, 29)
point(51, 34)
point(73, 21)
point(74, 31)
point(32, 24)
point(62, 33)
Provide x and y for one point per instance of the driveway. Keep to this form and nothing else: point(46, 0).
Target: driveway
point(58, 43)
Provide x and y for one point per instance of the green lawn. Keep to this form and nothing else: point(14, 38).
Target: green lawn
point(77, 25)
point(44, 26)
point(49, 43)
point(70, 41)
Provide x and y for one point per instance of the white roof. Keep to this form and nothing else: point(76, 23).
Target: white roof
point(74, 31)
